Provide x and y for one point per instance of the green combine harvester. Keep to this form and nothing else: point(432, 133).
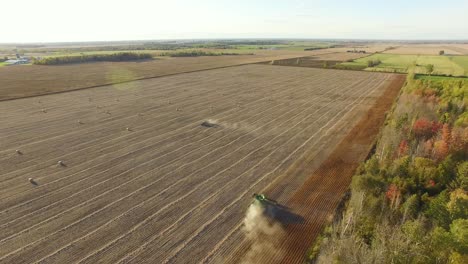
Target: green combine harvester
point(275, 211)
point(269, 207)
point(263, 200)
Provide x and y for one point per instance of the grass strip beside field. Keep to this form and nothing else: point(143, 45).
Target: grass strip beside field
point(446, 65)
point(437, 78)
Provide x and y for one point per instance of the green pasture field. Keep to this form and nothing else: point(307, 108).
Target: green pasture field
point(447, 65)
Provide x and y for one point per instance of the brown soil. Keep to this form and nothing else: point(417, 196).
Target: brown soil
point(33, 80)
point(315, 200)
point(322, 192)
point(168, 189)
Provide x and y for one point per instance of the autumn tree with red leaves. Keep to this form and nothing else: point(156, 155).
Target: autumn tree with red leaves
point(441, 149)
point(422, 128)
point(403, 148)
point(446, 134)
point(393, 195)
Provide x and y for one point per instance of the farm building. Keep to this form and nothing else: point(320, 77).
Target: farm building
point(17, 61)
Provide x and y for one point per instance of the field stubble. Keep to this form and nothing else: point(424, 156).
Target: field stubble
point(168, 189)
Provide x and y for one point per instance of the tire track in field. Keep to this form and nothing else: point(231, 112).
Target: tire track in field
point(198, 232)
point(237, 227)
point(159, 157)
point(65, 136)
point(86, 190)
point(200, 79)
point(199, 82)
point(218, 67)
point(328, 185)
point(204, 202)
point(55, 115)
point(317, 185)
point(183, 216)
point(363, 133)
point(126, 135)
point(271, 172)
point(208, 92)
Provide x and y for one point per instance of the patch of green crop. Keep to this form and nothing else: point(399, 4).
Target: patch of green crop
point(435, 78)
point(443, 65)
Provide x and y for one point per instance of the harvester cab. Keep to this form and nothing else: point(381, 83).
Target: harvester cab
point(263, 200)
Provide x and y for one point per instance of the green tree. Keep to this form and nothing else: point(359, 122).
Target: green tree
point(429, 68)
point(447, 170)
point(458, 204)
point(459, 231)
point(411, 207)
point(440, 245)
point(401, 166)
point(368, 183)
point(372, 166)
point(461, 180)
point(437, 210)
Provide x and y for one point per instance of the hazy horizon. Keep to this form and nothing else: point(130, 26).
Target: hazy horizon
point(48, 21)
point(425, 41)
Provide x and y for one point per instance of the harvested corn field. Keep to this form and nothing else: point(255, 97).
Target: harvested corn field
point(162, 170)
point(20, 82)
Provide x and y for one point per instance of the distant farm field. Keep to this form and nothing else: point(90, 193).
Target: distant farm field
point(21, 81)
point(449, 65)
point(319, 61)
point(430, 49)
point(163, 170)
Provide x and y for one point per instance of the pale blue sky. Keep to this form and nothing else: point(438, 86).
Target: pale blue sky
point(88, 20)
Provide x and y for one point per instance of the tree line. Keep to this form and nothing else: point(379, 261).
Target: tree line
point(115, 57)
point(198, 53)
point(409, 201)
